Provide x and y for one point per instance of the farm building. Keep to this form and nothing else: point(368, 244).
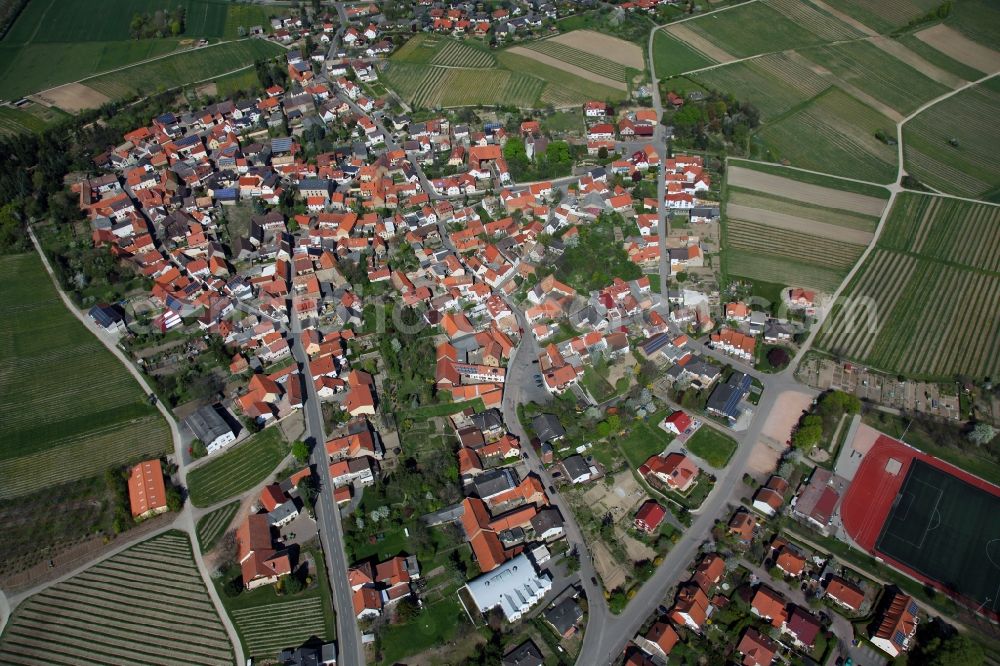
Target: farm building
point(146, 491)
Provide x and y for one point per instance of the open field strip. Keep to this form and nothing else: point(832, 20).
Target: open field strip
point(211, 526)
point(457, 54)
point(672, 55)
point(576, 57)
point(828, 197)
point(794, 223)
point(841, 218)
point(606, 46)
point(702, 45)
point(755, 266)
point(91, 454)
point(957, 46)
point(932, 71)
point(268, 629)
point(586, 88)
point(884, 15)
point(843, 17)
point(238, 469)
point(878, 74)
point(146, 615)
point(816, 20)
point(951, 145)
point(569, 68)
point(754, 28)
point(842, 132)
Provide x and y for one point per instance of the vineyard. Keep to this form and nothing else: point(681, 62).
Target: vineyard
point(458, 54)
point(237, 470)
point(951, 146)
point(774, 83)
point(672, 56)
point(934, 289)
point(884, 15)
point(269, 628)
point(429, 87)
point(766, 268)
point(573, 56)
point(758, 27)
point(842, 141)
point(213, 525)
point(64, 397)
point(146, 605)
point(806, 211)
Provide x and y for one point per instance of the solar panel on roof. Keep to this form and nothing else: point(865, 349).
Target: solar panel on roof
point(655, 343)
point(912, 608)
point(898, 637)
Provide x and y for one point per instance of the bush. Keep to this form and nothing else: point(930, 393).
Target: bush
point(778, 357)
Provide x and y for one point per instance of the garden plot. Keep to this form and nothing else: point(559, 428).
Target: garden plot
point(952, 145)
point(790, 188)
point(147, 605)
point(213, 525)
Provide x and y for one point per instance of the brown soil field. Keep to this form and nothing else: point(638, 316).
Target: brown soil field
point(814, 194)
point(926, 68)
point(71, 97)
point(800, 224)
point(606, 46)
point(785, 415)
point(566, 67)
point(957, 46)
point(699, 43)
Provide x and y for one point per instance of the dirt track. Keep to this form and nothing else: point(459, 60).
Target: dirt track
point(605, 46)
point(814, 194)
point(957, 46)
point(566, 67)
point(800, 224)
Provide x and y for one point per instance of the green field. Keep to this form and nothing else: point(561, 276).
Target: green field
point(645, 438)
point(30, 118)
point(430, 71)
point(872, 70)
point(935, 57)
point(64, 396)
point(130, 608)
point(588, 61)
point(231, 84)
point(775, 83)
point(933, 284)
point(842, 141)
point(712, 446)
point(177, 70)
point(238, 469)
point(671, 56)
point(942, 527)
point(58, 41)
point(952, 146)
point(884, 15)
point(213, 525)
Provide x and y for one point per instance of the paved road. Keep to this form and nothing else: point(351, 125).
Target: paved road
point(349, 647)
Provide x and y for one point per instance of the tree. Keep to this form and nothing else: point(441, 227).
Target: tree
point(777, 357)
point(808, 436)
point(301, 451)
point(198, 449)
point(175, 502)
point(12, 236)
point(602, 153)
point(982, 434)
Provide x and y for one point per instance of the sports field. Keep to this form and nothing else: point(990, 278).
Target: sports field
point(146, 605)
point(63, 397)
point(946, 529)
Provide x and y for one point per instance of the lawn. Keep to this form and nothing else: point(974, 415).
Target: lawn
point(436, 624)
point(213, 525)
point(268, 622)
point(671, 56)
point(238, 82)
point(64, 396)
point(712, 446)
point(598, 387)
point(183, 68)
point(645, 439)
point(32, 118)
point(444, 409)
point(129, 608)
point(238, 469)
point(570, 120)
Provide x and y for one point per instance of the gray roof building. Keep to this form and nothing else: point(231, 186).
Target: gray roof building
point(525, 654)
point(208, 426)
point(494, 482)
point(548, 428)
point(564, 616)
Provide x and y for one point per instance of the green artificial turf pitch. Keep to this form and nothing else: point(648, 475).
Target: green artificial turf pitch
point(947, 530)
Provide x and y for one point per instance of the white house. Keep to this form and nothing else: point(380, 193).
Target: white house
point(515, 587)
